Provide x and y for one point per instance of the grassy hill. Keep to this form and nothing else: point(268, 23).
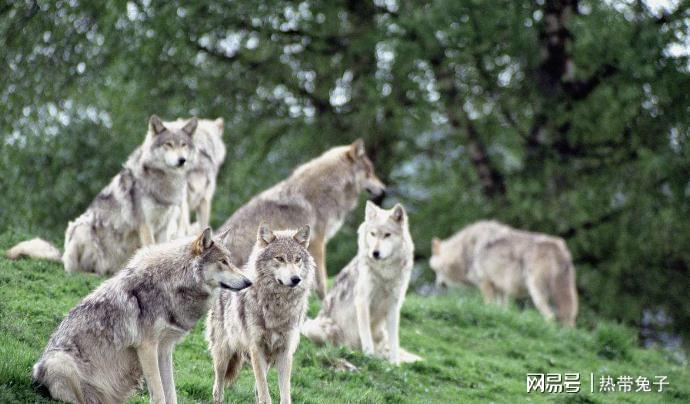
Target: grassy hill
point(474, 353)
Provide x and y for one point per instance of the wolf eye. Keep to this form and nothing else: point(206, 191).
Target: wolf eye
point(373, 234)
point(168, 144)
point(183, 144)
point(386, 235)
point(298, 259)
point(280, 259)
point(224, 262)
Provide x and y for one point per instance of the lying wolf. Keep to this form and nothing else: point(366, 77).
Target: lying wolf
point(263, 321)
point(507, 263)
point(320, 193)
point(127, 328)
point(140, 206)
point(362, 311)
point(202, 172)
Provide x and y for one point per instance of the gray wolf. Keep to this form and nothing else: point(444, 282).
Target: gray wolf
point(127, 328)
point(320, 193)
point(264, 320)
point(362, 310)
point(139, 207)
point(508, 263)
point(203, 171)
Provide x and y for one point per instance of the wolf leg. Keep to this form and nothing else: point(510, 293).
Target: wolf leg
point(392, 327)
point(260, 368)
point(148, 359)
point(284, 367)
point(203, 213)
point(317, 248)
point(536, 292)
point(364, 324)
point(488, 291)
point(221, 359)
point(146, 235)
point(165, 365)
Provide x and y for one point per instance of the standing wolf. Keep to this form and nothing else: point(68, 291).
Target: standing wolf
point(202, 172)
point(320, 193)
point(362, 311)
point(140, 206)
point(263, 321)
point(127, 328)
point(508, 263)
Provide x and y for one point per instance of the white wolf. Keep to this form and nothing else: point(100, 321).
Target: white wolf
point(141, 206)
point(362, 310)
point(264, 320)
point(127, 328)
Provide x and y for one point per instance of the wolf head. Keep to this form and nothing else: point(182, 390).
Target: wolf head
point(215, 266)
point(365, 177)
point(383, 231)
point(168, 147)
point(448, 271)
point(282, 257)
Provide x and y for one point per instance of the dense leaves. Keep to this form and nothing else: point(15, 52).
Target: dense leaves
point(563, 116)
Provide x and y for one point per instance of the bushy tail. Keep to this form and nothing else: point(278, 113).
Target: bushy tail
point(60, 375)
point(35, 248)
point(565, 294)
point(321, 330)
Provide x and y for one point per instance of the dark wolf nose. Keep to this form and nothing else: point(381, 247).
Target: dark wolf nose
point(376, 254)
point(181, 161)
point(295, 280)
point(247, 283)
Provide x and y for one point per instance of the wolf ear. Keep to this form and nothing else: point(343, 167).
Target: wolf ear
point(203, 242)
point(156, 125)
point(435, 246)
point(265, 236)
point(371, 210)
point(356, 149)
point(190, 127)
point(398, 214)
point(302, 236)
point(220, 124)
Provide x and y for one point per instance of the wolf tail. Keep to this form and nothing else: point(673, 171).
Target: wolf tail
point(565, 292)
point(35, 248)
point(321, 330)
point(60, 375)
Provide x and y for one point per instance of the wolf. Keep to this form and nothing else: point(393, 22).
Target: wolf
point(362, 310)
point(203, 171)
point(320, 193)
point(264, 320)
point(128, 327)
point(139, 207)
point(508, 263)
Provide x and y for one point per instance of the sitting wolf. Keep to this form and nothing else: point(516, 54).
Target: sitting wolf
point(508, 263)
point(264, 320)
point(362, 311)
point(202, 172)
point(127, 328)
point(140, 206)
point(320, 193)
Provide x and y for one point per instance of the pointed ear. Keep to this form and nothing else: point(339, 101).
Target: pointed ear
point(435, 246)
point(356, 149)
point(302, 236)
point(398, 215)
point(265, 236)
point(220, 124)
point(190, 127)
point(156, 125)
point(203, 242)
point(371, 210)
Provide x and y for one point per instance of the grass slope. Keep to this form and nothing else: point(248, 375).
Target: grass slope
point(474, 353)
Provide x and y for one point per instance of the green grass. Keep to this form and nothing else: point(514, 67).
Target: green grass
point(473, 352)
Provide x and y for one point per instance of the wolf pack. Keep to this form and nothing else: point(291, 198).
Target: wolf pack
point(252, 278)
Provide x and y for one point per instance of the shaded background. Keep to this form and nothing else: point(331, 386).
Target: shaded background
point(562, 116)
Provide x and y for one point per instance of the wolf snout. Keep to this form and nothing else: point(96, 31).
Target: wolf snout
point(236, 286)
point(295, 280)
point(181, 161)
point(376, 254)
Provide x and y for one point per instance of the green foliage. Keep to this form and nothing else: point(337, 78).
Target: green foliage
point(473, 352)
point(455, 99)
